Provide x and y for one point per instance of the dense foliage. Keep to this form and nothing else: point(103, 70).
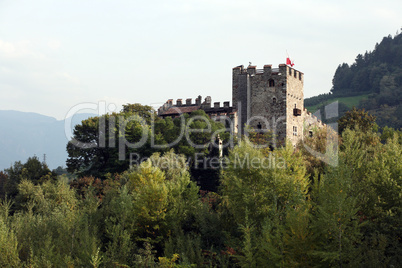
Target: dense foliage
point(274, 208)
point(32, 169)
point(357, 119)
point(373, 72)
point(107, 144)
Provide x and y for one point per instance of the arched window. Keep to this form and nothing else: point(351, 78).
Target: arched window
point(271, 83)
point(274, 100)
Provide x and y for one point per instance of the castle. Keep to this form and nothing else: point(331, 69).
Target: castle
point(264, 99)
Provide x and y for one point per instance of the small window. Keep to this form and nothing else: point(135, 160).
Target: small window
point(274, 100)
point(295, 105)
point(271, 83)
point(295, 73)
point(290, 71)
point(294, 131)
point(310, 133)
point(299, 76)
point(259, 126)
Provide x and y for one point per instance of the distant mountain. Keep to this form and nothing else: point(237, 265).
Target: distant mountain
point(23, 135)
point(372, 82)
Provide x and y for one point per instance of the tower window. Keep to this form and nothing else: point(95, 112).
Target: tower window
point(295, 73)
point(294, 131)
point(299, 76)
point(290, 71)
point(271, 83)
point(274, 100)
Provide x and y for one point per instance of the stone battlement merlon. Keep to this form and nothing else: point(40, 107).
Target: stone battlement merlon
point(206, 105)
point(268, 70)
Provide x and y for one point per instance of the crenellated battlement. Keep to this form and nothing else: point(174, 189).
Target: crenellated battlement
point(310, 119)
point(171, 109)
point(267, 70)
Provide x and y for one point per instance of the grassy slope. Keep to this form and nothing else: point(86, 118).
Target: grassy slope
point(348, 101)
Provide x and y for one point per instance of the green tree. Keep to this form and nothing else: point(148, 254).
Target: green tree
point(119, 228)
point(157, 198)
point(99, 143)
point(3, 181)
point(376, 174)
point(256, 182)
point(357, 118)
point(32, 170)
point(259, 189)
point(150, 200)
point(335, 224)
point(8, 247)
point(144, 111)
point(199, 134)
point(388, 133)
point(54, 227)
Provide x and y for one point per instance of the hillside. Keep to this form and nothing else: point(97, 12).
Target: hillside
point(372, 82)
point(23, 135)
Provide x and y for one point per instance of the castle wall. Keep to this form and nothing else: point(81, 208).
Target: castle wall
point(224, 114)
point(294, 99)
point(268, 98)
point(311, 122)
point(268, 101)
point(240, 95)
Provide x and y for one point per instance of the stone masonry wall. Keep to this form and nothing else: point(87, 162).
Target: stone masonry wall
point(268, 101)
point(294, 99)
point(240, 90)
point(311, 122)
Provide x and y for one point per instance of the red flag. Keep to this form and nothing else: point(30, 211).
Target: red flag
point(289, 62)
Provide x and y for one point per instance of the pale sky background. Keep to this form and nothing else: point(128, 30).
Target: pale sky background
point(57, 54)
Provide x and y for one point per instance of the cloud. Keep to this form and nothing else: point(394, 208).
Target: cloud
point(155, 50)
point(33, 78)
point(20, 49)
point(54, 44)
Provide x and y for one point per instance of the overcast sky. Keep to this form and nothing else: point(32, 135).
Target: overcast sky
point(57, 54)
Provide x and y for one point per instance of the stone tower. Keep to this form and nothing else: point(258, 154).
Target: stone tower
point(269, 98)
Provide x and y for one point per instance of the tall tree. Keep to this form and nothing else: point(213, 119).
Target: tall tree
point(102, 145)
point(335, 224)
point(357, 118)
point(32, 170)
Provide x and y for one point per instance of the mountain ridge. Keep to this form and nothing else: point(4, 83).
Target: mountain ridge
point(25, 134)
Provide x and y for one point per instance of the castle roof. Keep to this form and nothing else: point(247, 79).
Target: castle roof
point(180, 110)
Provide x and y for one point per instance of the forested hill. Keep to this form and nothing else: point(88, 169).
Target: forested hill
point(373, 82)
